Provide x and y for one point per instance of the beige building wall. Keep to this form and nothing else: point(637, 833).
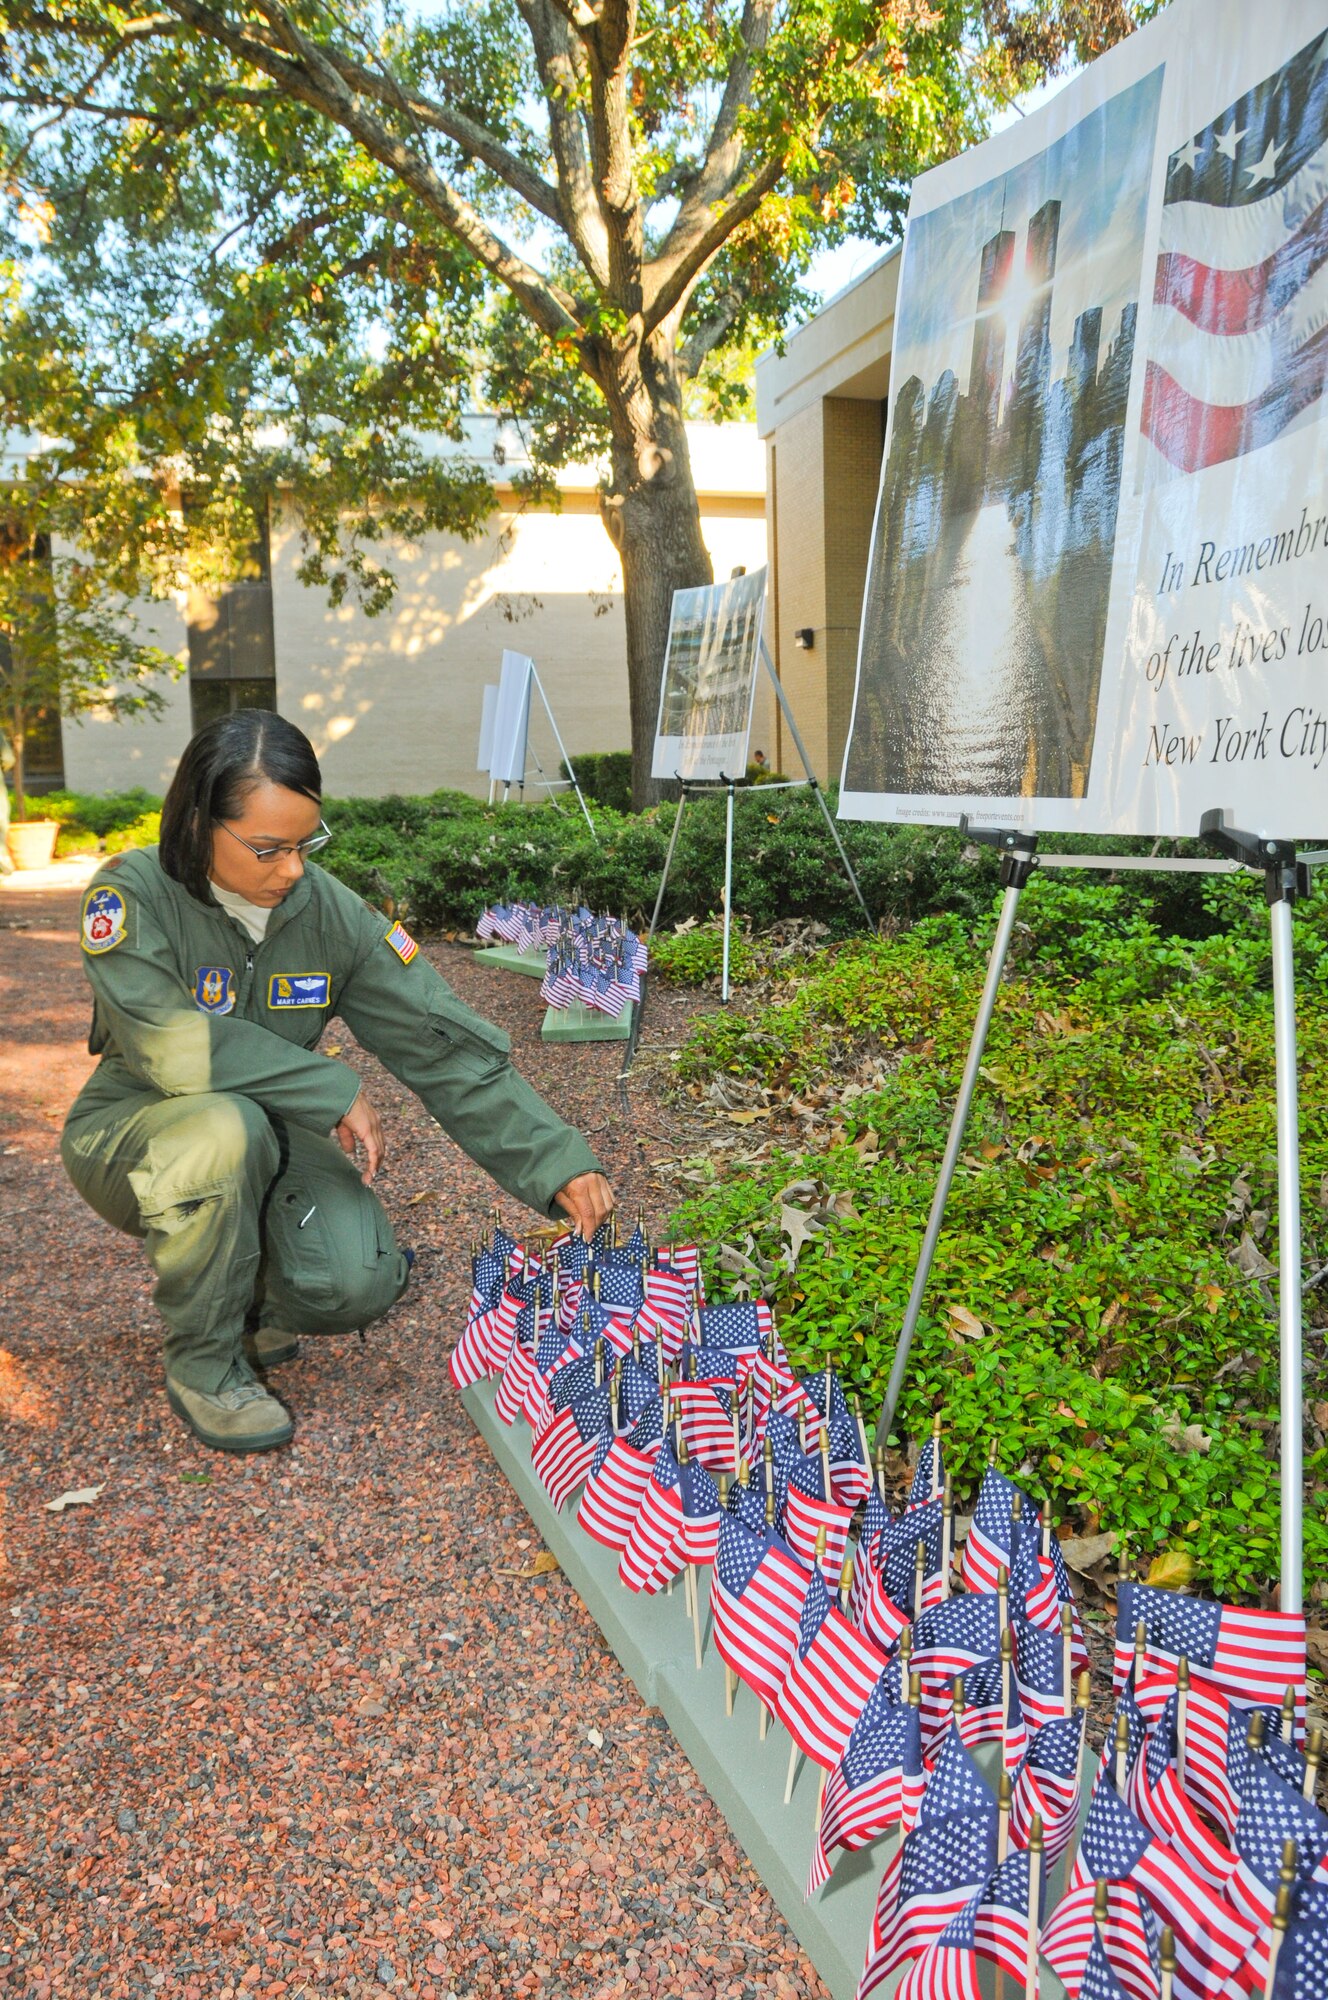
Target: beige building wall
point(821, 414)
point(104, 755)
point(393, 703)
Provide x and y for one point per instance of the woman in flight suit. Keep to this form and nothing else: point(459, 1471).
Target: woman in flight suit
point(216, 960)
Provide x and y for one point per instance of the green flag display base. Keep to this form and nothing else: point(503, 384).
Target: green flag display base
point(652, 1637)
point(506, 958)
point(579, 1023)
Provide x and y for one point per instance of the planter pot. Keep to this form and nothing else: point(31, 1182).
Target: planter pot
point(32, 842)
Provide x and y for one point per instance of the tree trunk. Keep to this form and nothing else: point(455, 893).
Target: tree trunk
point(17, 741)
point(650, 510)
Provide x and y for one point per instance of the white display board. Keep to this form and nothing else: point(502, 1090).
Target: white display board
point(1098, 591)
point(511, 720)
point(488, 716)
point(705, 698)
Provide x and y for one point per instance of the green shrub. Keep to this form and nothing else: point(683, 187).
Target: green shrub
point(605, 777)
point(142, 832)
point(691, 956)
point(99, 813)
point(1098, 1304)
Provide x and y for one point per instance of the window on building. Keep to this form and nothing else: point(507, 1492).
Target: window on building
point(44, 747)
point(232, 642)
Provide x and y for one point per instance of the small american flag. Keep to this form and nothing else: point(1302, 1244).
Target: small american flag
point(990, 1715)
point(1302, 1963)
point(928, 1474)
point(992, 1925)
point(940, 1865)
point(850, 1474)
point(807, 1513)
point(871, 1607)
point(518, 1374)
point(705, 1411)
point(1154, 1791)
point(742, 1324)
point(899, 1542)
point(830, 1677)
point(617, 1482)
point(1212, 1940)
point(676, 1523)
point(756, 1599)
point(1040, 1666)
point(562, 1457)
point(1047, 1783)
point(1253, 1656)
point(879, 1781)
point(1129, 1941)
point(1271, 1813)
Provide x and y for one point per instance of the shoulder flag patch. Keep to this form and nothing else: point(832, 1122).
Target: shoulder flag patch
point(402, 943)
point(104, 917)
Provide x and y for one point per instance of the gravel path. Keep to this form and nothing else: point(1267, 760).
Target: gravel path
point(275, 1726)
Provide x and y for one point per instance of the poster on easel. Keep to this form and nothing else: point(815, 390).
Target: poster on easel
point(705, 698)
point(488, 716)
point(1097, 598)
point(511, 720)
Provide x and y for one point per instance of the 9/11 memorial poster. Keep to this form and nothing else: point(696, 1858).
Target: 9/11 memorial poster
point(1098, 591)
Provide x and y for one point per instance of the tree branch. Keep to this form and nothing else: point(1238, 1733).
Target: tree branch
point(561, 63)
point(306, 75)
point(465, 132)
point(706, 336)
point(718, 173)
point(670, 280)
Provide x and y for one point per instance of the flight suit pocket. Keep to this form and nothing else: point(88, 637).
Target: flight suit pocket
point(473, 1042)
point(310, 1250)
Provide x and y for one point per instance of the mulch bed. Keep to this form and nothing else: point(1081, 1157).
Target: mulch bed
point(274, 1725)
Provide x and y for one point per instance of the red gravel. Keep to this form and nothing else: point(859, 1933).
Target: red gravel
point(273, 1726)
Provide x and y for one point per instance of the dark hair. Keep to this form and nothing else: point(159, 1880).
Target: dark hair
point(220, 766)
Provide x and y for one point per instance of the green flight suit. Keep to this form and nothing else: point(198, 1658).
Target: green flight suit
point(204, 1129)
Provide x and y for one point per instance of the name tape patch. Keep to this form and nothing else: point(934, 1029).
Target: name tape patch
point(402, 943)
point(299, 989)
point(214, 989)
point(104, 919)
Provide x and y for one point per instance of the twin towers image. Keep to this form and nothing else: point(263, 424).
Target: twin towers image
point(986, 606)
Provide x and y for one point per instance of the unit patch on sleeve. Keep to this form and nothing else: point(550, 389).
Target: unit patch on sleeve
point(402, 943)
point(104, 915)
point(299, 989)
point(214, 989)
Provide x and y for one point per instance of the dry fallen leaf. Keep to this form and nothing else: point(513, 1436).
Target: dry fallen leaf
point(747, 1117)
point(332, 1049)
point(1316, 1644)
point(426, 1194)
point(79, 1496)
point(966, 1324)
point(545, 1561)
point(1172, 1570)
point(1083, 1553)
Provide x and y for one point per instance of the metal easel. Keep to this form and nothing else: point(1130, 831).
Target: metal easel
point(1286, 876)
point(700, 787)
point(562, 747)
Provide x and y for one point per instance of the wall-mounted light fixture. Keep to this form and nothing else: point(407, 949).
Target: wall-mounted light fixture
point(805, 638)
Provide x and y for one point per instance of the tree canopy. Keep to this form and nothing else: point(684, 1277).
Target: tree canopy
point(254, 245)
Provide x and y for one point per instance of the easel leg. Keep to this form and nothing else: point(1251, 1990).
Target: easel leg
point(668, 863)
point(995, 967)
point(562, 750)
point(1288, 1239)
point(728, 892)
point(796, 734)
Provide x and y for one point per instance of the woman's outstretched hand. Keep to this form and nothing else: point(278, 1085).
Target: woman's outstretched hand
point(588, 1200)
point(362, 1123)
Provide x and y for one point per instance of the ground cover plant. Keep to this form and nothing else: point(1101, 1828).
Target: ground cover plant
point(1102, 1300)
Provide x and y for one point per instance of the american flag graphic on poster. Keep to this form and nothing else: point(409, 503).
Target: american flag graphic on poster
point(1238, 351)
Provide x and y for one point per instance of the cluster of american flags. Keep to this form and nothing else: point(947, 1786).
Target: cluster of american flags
point(890, 1656)
point(593, 961)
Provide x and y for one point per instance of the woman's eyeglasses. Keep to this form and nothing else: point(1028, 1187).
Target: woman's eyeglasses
point(304, 848)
